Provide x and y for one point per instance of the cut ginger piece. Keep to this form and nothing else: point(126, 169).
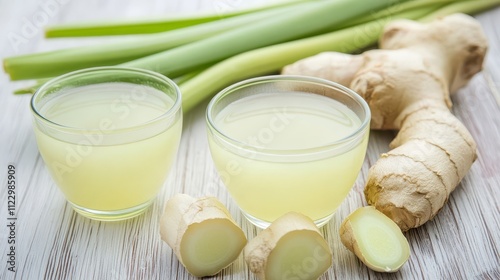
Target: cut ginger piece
point(201, 233)
point(292, 247)
point(375, 239)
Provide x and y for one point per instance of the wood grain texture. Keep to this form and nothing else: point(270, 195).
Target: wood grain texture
point(53, 242)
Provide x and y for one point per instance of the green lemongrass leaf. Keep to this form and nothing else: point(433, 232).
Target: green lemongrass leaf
point(150, 25)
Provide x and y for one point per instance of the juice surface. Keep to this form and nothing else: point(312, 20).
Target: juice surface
point(296, 121)
point(267, 187)
point(95, 172)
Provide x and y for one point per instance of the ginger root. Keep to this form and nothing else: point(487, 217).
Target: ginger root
point(201, 233)
point(375, 239)
point(290, 248)
point(407, 84)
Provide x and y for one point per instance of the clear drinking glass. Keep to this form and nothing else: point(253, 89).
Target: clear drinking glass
point(108, 136)
point(288, 143)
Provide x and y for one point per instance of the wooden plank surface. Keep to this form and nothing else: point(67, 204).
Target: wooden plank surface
point(53, 242)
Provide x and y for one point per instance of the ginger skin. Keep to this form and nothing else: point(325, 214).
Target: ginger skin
point(407, 84)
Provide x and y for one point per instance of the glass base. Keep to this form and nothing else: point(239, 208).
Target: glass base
point(112, 215)
point(264, 224)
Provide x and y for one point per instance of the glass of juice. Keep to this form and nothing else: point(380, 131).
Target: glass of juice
point(108, 136)
point(288, 143)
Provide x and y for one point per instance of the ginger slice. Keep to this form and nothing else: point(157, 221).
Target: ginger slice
point(292, 247)
point(375, 239)
point(201, 233)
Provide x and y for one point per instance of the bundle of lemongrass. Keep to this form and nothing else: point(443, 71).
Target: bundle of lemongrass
point(206, 53)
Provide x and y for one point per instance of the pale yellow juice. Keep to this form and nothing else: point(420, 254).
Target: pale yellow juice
point(109, 166)
point(279, 167)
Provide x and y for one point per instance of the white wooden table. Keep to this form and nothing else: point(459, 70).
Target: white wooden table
point(53, 242)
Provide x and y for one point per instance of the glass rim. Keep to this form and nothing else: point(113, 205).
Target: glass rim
point(296, 78)
point(166, 115)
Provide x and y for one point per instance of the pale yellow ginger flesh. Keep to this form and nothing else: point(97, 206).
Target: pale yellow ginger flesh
point(407, 84)
point(375, 239)
point(201, 233)
point(292, 247)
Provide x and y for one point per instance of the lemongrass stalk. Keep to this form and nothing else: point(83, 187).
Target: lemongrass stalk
point(38, 83)
point(468, 6)
point(53, 63)
point(397, 8)
point(31, 88)
point(313, 18)
point(186, 77)
point(146, 26)
point(270, 59)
